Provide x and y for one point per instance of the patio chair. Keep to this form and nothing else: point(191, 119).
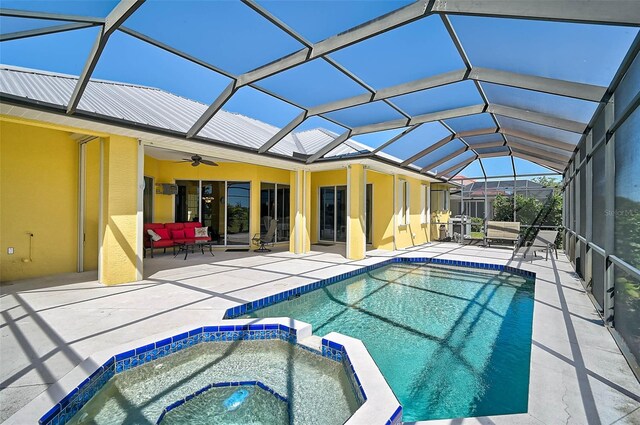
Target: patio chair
point(545, 240)
point(268, 238)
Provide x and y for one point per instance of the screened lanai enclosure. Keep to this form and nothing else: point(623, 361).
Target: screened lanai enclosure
point(494, 97)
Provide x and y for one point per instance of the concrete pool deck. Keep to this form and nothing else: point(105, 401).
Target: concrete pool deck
point(50, 325)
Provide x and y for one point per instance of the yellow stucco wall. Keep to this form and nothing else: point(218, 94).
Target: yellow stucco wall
point(300, 208)
point(120, 259)
point(415, 232)
point(169, 171)
point(38, 194)
point(356, 247)
point(382, 207)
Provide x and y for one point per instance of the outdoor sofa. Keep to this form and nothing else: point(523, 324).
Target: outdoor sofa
point(171, 235)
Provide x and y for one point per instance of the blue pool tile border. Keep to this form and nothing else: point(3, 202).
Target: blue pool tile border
point(121, 362)
point(250, 307)
point(206, 388)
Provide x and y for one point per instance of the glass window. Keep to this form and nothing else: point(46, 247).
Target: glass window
point(267, 206)
point(627, 190)
point(274, 204)
point(283, 212)
point(238, 208)
point(327, 213)
point(333, 213)
point(341, 213)
point(186, 201)
point(425, 202)
point(147, 201)
point(439, 200)
point(369, 213)
point(404, 202)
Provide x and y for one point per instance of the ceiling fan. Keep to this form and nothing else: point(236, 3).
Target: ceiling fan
point(196, 160)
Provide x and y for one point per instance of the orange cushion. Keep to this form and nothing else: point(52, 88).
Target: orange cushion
point(177, 234)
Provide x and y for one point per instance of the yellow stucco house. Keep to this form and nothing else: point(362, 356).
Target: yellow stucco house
point(77, 189)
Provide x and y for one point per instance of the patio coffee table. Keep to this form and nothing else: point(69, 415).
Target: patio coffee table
point(201, 245)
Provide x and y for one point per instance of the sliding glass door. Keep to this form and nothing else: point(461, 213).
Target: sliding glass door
point(274, 204)
point(187, 201)
point(223, 207)
point(238, 209)
point(213, 210)
point(333, 214)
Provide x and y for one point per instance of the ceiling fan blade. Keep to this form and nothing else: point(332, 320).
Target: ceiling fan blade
point(195, 163)
point(207, 162)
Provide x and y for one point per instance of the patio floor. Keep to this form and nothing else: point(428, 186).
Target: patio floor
point(49, 325)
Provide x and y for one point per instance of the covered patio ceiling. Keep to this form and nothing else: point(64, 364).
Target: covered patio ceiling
point(433, 86)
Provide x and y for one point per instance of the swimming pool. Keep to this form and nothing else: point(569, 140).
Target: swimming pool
point(316, 389)
point(451, 341)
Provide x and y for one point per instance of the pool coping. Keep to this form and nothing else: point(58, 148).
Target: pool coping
point(90, 375)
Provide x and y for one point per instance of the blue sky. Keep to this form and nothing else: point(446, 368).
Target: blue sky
point(231, 36)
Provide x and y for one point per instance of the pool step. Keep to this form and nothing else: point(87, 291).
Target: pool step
point(313, 342)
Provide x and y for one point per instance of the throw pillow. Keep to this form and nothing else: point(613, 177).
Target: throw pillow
point(189, 233)
point(177, 234)
point(154, 236)
point(201, 232)
point(163, 233)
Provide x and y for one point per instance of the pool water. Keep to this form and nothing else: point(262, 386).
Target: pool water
point(260, 407)
point(317, 389)
point(451, 342)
